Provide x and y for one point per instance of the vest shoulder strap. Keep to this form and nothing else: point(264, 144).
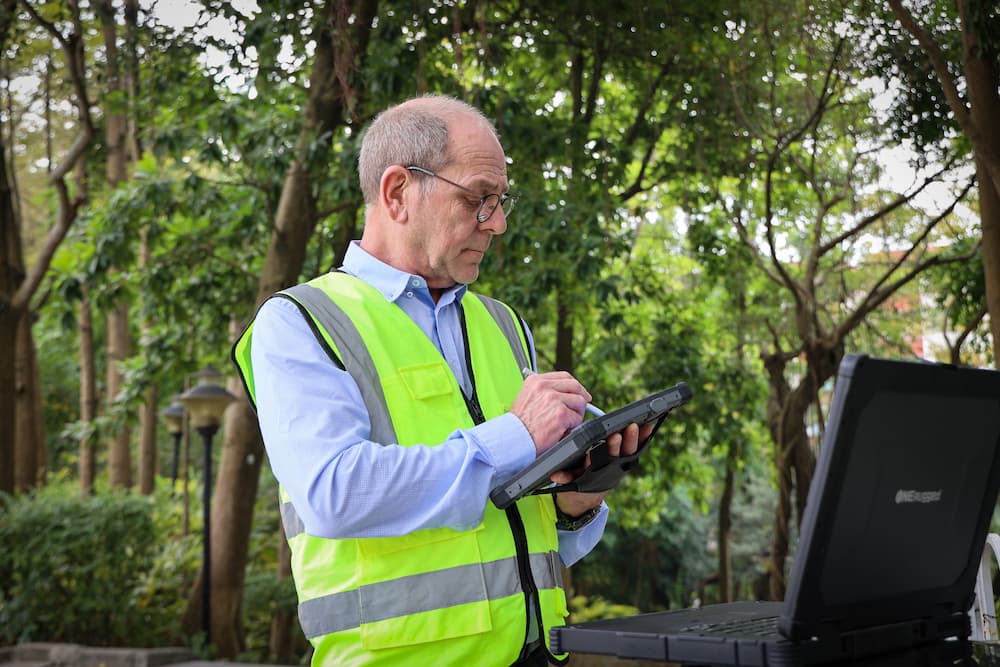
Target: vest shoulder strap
point(511, 326)
point(353, 353)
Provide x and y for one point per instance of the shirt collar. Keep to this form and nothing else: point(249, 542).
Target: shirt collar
point(388, 280)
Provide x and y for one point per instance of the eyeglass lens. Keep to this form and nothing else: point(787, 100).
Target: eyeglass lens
point(489, 205)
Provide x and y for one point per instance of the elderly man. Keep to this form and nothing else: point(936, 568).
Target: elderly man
point(392, 400)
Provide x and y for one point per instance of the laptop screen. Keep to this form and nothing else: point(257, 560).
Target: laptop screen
point(904, 490)
point(909, 505)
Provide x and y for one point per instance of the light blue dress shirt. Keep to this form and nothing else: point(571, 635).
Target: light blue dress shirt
point(316, 429)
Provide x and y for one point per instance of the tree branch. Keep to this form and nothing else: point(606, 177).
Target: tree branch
point(637, 186)
point(955, 349)
point(887, 209)
point(882, 289)
point(744, 235)
point(940, 64)
point(68, 207)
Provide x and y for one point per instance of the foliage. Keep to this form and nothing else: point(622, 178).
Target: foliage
point(71, 567)
point(642, 137)
point(652, 566)
point(583, 609)
point(60, 399)
point(918, 111)
point(115, 568)
point(265, 593)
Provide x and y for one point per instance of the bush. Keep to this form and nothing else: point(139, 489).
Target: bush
point(71, 568)
point(596, 608)
point(264, 595)
point(117, 569)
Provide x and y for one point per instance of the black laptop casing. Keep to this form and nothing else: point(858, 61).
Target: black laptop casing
point(893, 531)
point(906, 540)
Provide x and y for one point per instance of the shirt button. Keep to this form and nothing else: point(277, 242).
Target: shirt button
point(409, 295)
point(416, 282)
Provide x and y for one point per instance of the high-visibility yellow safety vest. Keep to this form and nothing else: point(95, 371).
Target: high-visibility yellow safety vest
point(436, 596)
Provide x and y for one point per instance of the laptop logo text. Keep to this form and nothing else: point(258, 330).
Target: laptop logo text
point(911, 496)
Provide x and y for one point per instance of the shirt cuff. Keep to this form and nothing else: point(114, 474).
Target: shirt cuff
point(507, 443)
point(575, 544)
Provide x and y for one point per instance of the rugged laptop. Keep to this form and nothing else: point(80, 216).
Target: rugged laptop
point(893, 531)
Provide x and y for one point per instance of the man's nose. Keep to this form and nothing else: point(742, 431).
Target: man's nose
point(496, 224)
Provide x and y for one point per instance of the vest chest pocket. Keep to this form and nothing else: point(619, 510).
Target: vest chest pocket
point(422, 587)
point(427, 381)
point(425, 402)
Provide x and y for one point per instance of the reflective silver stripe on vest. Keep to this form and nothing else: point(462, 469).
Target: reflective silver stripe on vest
point(424, 592)
point(290, 520)
point(511, 329)
point(354, 353)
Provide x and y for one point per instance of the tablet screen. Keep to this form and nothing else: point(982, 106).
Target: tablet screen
point(604, 472)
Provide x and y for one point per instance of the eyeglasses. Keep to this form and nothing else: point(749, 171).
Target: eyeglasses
point(487, 204)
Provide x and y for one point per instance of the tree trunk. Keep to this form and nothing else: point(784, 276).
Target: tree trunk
point(786, 422)
point(28, 437)
point(17, 287)
point(977, 117)
point(119, 340)
point(8, 336)
point(725, 523)
point(236, 493)
point(564, 332)
point(805, 466)
point(989, 216)
point(119, 451)
point(795, 465)
point(983, 79)
point(11, 276)
point(347, 231)
point(341, 32)
point(115, 117)
point(132, 77)
point(794, 459)
point(88, 397)
point(775, 565)
point(282, 633)
point(148, 410)
point(778, 391)
point(147, 442)
point(28, 455)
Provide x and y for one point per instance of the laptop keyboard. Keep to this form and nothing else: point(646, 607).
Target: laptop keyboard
point(756, 626)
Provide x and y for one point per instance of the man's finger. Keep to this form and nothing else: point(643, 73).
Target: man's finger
point(614, 444)
point(630, 440)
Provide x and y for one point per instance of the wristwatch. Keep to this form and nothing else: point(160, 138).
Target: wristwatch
point(571, 523)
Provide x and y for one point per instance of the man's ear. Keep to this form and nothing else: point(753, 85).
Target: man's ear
point(395, 185)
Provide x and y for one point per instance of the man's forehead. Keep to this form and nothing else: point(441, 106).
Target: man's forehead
point(482, 162)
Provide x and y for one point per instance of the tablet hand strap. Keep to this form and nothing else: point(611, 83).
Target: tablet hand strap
point(603, 474)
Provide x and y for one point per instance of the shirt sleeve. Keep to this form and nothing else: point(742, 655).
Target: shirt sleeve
point(575, 544)
point(315, 429)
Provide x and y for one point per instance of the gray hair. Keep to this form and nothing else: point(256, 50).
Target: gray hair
point(414, 132)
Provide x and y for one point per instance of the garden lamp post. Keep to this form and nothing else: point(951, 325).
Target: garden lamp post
point(206, 402)
point(173, 415)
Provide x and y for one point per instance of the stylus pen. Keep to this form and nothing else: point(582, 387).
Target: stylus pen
point(597, 412)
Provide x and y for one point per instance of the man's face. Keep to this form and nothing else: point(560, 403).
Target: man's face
point(446, 240)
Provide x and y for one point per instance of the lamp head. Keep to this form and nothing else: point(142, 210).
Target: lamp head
point(206, 401)
point(173, 415)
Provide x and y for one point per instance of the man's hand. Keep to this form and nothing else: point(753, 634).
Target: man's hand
point(626, 443)
point(550, 405)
